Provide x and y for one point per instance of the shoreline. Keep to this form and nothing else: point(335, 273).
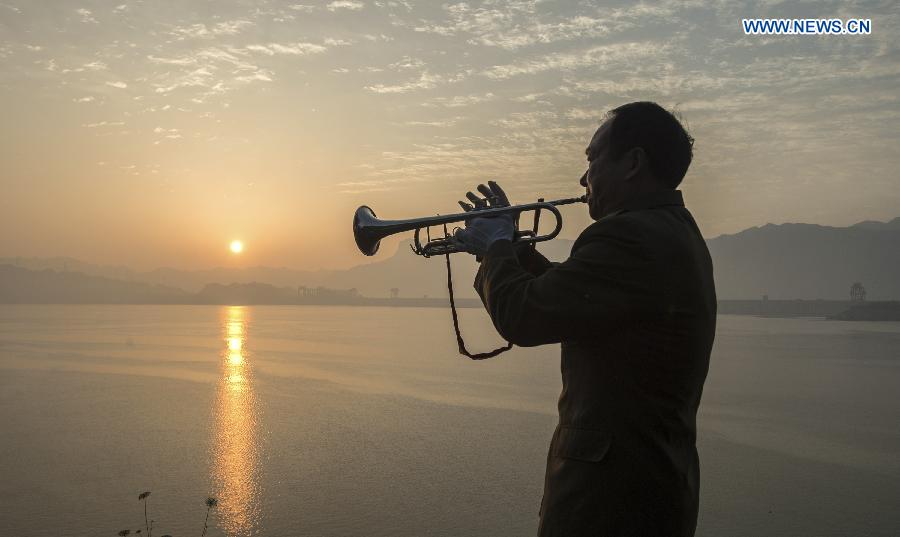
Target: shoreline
point(827, 309)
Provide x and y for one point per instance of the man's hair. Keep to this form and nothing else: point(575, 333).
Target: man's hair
point(659, 133)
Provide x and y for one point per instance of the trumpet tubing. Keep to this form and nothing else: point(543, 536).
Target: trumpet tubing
point(369, 230)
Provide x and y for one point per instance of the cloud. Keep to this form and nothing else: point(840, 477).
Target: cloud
point(460, 100)
point(295, 49)
point(654, 80)
point(231, 27)
point(425, 81)
point(120, 85)
point(201, 77)
point(438, 123)
point(393, 4)
point(302, 7)
point(188, 60)
point(202, 31)
point(261, 75)
point(216, 71)
point(86, 16)
point(103, 124)
point(379, 37)
point(91, 66)
point(158, 108)
point(213, 71)
point(87, 99)
point(333, 42)
point(232, 57)
point(524, 120)
point(529, 155)
point(407, 62)
point(378, 185)
point(529, 98)
point(345, 4)
point(515, 25)
point(604, 55)
point(578, 114)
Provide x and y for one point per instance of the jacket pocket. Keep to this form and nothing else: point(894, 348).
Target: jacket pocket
point(589, 445)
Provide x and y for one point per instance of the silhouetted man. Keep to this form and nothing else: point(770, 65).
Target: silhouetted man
point(634, 307)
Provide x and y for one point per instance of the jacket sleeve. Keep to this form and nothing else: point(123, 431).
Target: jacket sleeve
point(530, 259)
point(607, 280)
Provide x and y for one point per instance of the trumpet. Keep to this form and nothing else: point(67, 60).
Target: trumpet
point(368, 230)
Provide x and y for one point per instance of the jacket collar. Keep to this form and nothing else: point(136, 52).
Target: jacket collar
point(648, 201)
point(656, 199)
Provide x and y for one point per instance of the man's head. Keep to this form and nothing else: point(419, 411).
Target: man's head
point(640, 148)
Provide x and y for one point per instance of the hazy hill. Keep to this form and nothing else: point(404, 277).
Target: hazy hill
point(19, 285)
point(414, 276)
point(188, 280)
point(808, 261)
point(417, 276)
point(246, 293)
point(784, 261)
point(69, 264)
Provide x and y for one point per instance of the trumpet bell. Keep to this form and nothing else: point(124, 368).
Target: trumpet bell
point(365, 231)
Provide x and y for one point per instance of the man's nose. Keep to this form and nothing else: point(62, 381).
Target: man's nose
point(583, 180)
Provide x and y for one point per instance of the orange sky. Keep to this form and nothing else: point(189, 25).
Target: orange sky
point(153, 136)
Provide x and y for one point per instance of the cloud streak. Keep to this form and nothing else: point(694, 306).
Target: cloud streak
point(602, 56)
point(294, 49)
point(203, 31)
point(350, 5)
point(425, 81)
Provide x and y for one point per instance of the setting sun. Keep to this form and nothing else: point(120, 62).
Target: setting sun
point(237, 247)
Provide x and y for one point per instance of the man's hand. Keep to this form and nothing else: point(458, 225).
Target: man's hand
point(481, 233)
point(494, 196)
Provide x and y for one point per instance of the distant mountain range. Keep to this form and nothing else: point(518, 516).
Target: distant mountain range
point(808, 261)
point(787, 261)
point(19, 285)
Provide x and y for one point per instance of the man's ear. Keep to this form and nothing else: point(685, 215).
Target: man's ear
point(636, 159)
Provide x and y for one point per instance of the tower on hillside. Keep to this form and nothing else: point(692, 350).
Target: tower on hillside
point(857, 292)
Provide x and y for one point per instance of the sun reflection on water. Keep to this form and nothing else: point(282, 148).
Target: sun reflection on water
point(235, 469)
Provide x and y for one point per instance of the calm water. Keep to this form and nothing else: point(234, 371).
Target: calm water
point(317, 421)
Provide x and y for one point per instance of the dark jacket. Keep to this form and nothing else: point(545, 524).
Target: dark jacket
point(635, 310)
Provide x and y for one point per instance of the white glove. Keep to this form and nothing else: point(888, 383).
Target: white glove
point(480, 233)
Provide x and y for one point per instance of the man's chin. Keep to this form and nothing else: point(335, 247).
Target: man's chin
point(594, 208)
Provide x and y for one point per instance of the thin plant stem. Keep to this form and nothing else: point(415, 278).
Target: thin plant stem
point(210, 503)
point(143, 497)
point(205, 522)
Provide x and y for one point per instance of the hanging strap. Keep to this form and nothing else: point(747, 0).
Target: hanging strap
point(459, 339)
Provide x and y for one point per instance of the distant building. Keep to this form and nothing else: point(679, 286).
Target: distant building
point(857, 292)
point(325, 292)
